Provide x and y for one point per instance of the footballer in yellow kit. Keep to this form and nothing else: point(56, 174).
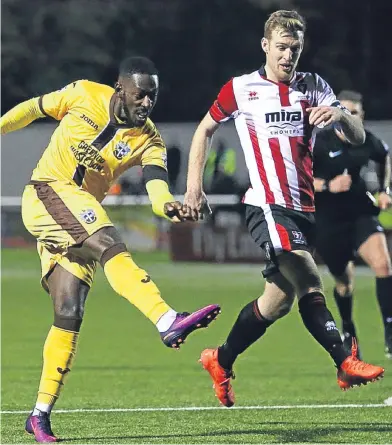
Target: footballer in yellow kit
point(87, 152)
point(102, 133)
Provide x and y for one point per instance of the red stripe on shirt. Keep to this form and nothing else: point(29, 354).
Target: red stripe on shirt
point(281, 171)
point(301, 152)
point(270, 199)
point(284, 95)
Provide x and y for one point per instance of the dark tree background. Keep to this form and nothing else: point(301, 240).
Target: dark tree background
point(196, 44)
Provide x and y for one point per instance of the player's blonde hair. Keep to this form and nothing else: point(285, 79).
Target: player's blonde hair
point(289, 21)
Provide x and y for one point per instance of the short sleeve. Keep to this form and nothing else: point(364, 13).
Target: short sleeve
point(325, 95)
point(155, 153)
point(225, 104)
point(57, 104)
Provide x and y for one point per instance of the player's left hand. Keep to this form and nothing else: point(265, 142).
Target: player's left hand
point(178, 212)
point(384, 201)
point(324, 115)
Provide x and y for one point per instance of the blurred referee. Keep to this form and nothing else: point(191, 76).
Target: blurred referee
point(346, 216)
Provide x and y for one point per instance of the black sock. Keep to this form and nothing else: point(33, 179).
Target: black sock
point(384, 296)
point(249, 327)
point(320, 323)
point(345, 305)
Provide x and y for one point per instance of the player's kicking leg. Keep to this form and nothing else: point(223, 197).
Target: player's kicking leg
point(69, 294)
point(251, 324)
point(134, 284)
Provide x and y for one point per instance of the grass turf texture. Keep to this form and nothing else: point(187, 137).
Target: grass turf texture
point(121, 363)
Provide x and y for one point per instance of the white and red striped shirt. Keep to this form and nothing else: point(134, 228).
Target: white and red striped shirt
point(275, 134)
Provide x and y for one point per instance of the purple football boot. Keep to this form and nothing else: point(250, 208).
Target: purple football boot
point(186, 323)
point(40, 427)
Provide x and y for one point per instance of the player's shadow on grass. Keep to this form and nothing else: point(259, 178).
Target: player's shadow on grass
point(286, 433)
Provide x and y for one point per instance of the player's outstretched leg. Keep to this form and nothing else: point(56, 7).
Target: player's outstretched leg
point(249, 327)
point(134, 284)
point(251, 324)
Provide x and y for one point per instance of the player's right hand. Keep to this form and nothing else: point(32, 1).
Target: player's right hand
point(196, 201)
point(178, 212)
point(340, 183)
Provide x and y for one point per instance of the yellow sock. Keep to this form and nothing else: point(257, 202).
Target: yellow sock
point(59, 352)
point(134, 284)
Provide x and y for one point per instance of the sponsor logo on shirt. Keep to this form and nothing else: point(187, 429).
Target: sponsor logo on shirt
point(253, 95)
point(284, 122)
point(88, 155)
point(89, 121)
point(283, 116)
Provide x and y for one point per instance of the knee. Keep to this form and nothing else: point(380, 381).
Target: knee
point(301, 271)
point(278, 307)
point(69, 308)
point(284, 309)
point(382, 267)
point(103, 245)
point(344, 289)
point(69, 316)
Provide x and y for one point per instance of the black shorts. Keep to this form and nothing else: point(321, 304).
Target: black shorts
point(337, 242)
point(276, 229)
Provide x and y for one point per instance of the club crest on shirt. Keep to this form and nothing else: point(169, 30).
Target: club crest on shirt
point(88, 216)
point(121, 150)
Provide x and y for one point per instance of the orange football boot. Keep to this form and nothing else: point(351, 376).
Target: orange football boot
point(220, 376)
point(355, 372)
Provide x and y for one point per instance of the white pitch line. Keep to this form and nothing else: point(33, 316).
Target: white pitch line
point(206, 408)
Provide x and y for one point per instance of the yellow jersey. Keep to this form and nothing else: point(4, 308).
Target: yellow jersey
point(91, 148)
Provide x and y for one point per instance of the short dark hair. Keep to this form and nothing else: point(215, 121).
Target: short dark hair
point(289, 21)
point(137, 65)
point(352, 96)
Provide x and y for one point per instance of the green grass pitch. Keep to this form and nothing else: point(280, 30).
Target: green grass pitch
point(122, 364)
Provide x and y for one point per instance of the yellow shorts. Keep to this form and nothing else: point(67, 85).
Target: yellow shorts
point(61, 215)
